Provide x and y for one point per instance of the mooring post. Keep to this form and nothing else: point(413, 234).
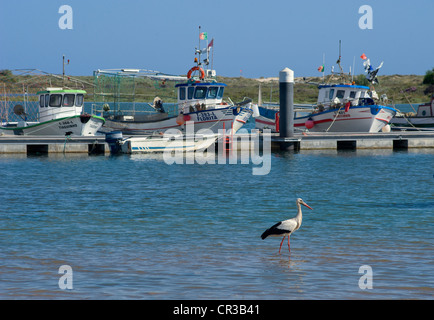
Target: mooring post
point(286, 119)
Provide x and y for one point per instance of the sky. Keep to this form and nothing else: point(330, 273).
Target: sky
point(251, 38)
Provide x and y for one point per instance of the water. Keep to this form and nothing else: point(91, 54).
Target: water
point(133, 227)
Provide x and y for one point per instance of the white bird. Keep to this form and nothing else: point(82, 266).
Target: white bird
point(286, 227)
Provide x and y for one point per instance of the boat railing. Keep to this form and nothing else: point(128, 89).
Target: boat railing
point(129, 108)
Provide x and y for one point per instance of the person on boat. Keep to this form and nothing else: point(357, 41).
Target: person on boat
point(158, 105)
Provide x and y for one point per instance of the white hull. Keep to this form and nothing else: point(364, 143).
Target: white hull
point(172, 143)
point(213, 119)
point(84, 125)
point(420, 122)
point(356, 119)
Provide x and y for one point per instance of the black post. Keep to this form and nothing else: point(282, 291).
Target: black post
point(286, 119)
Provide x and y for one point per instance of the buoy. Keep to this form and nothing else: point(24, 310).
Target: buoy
point(180, 119)
point(309, 124)
point(386, 128)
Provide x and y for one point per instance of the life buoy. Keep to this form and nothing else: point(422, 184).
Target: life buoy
point(309, 124)
point(202, 72)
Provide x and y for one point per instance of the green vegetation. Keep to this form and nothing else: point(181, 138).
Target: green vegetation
point(429, 77)
point(398, 88)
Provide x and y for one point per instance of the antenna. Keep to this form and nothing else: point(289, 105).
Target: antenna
point(354, 69)
point(63, 73)
point(339, 60)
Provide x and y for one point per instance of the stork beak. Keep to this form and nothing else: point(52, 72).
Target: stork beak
point(303, 203)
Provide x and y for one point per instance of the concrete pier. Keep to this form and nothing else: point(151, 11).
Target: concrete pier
point(341, 141)
point(242, 141)
point(353, 141)
point(53, 144)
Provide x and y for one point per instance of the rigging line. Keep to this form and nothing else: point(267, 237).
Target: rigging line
point(336, 116)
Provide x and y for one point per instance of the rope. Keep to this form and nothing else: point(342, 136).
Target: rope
point(67, 137)
point(406, 119)
point(337, 113)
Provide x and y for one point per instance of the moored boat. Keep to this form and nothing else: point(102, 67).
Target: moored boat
point(199, 100)
point(60, 112)
point(158, 143)
point(424, 118)
point(341, 107)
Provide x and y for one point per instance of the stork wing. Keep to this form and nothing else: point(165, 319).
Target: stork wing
point(279, 228)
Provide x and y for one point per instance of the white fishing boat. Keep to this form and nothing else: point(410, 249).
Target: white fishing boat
point(342, 107)
point(158, 143)
point(60, 113)
point(423, 118)
point(199, 100)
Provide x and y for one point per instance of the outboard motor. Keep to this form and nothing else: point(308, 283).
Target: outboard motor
point(114, 139)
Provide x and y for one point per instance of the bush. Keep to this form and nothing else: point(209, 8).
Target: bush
point(361, 80)
point(429, 77)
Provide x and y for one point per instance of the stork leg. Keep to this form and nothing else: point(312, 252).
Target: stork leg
point(289, 247)
point(282, 243)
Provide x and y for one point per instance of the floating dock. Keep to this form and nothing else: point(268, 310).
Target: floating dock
point(53, 144)
point(307, 141)
point(353, 141)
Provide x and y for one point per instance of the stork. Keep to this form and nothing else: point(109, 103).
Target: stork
point(286, 227)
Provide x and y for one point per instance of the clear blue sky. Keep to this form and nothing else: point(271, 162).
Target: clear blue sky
point(258, 37)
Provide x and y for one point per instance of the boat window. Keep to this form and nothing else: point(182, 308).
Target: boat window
point(79, 100)
point(352, 94)
point(332, 92)
point(212, 92)
point(190, 92)
point(181, 93)
point(200, 93)
point(68, 100)
point(47, 100)
point(41, 101)
point(340, 94)
point(220, 93)
point(55, 100)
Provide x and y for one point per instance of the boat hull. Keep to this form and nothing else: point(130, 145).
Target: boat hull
point(213, 119)
point(172, 143)
point(79, 125)
point(418, 122)
point(357, 119)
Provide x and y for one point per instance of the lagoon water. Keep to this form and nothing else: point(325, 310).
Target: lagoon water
point(133, 227)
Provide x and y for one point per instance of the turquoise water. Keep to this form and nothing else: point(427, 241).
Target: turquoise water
point(133, 227)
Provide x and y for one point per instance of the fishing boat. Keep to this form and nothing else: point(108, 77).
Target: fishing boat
point(199, 100)
point(340, 107)
point(60, 112)
point(158, 143)
point(423, 118)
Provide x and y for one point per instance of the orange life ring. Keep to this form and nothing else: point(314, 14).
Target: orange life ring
point(202, 72)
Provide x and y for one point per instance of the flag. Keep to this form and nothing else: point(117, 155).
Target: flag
point(321, 68)
point(211, 43)
point(203, 36)
point(364, 57)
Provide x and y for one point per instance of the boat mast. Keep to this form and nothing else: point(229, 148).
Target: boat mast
point(339, 60)
point(199, 50)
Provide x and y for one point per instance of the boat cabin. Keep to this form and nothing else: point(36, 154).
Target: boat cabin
point(427, 109)
point(55, 103)
point(196, 96)
point(338, 94)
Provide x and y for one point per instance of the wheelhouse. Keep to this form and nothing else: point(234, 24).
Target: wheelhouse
point(199, 95)
point(338, 94)
point(57, 103)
